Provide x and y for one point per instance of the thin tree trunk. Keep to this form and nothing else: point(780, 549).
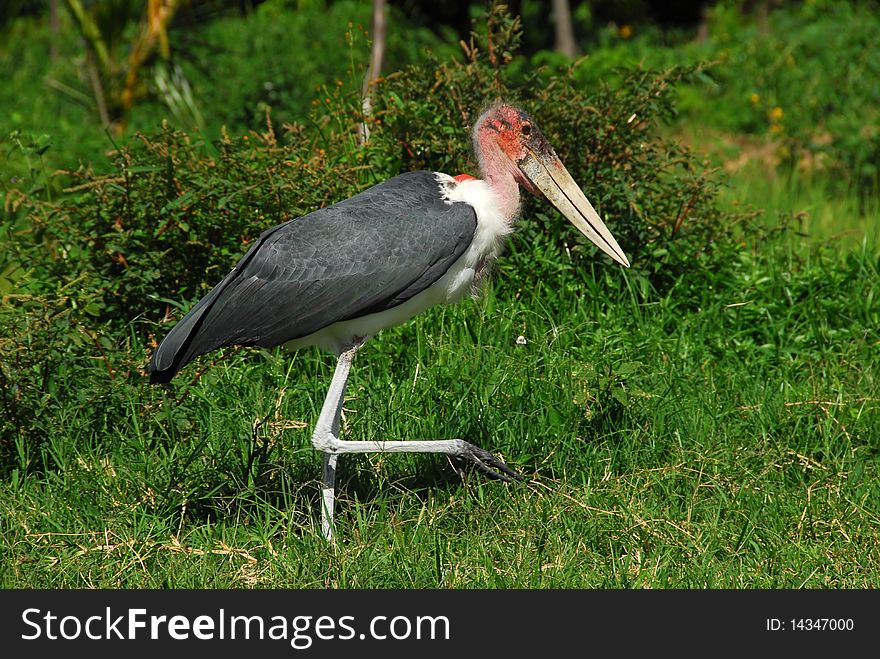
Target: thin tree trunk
point(703, 27)
point(375, 68)
point(54, 28)
point(762, 16)
point(565, 41)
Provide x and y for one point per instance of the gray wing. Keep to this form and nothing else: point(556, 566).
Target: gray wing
point(362, 255)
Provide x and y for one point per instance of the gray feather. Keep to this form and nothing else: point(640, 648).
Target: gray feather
point(366, 254)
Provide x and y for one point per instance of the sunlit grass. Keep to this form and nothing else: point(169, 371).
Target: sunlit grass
point(823, 206)
point(824, 210)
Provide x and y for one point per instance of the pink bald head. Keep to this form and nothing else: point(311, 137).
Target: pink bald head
point(512, 151)
point(503, 137)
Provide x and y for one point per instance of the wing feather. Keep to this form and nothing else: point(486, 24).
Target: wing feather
point(363, 255)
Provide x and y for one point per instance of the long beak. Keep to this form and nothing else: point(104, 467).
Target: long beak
point(551, 177)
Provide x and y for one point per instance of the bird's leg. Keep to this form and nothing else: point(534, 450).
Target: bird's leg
point(328, 495)
point(326, 435)
point(326, 439)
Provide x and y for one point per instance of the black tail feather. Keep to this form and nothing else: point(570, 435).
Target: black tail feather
point(179, 347)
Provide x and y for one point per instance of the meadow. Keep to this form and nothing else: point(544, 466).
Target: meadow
point(708, 419)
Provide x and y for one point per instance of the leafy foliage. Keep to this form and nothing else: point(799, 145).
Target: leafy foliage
point(804, 81)
point(808, 79)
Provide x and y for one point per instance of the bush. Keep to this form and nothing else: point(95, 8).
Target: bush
point(809, 80)
point(805, 81)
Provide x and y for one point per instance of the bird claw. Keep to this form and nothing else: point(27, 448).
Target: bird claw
point(487, 463)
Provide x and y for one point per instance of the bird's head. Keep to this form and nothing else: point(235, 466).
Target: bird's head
point(513, 142)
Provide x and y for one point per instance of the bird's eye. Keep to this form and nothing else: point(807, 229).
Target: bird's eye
point(526, 129)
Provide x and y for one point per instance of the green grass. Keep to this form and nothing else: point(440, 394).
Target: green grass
point(821, 210)
point(725, 437)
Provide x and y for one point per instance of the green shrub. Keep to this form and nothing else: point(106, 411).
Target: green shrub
point(810, 80)
point(806, 81)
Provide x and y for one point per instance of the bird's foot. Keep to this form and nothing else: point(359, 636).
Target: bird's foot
point(486, 463)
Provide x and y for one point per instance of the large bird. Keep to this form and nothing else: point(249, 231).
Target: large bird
point(336, 277)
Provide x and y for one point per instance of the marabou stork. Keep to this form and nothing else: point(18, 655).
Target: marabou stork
point(336, 277)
